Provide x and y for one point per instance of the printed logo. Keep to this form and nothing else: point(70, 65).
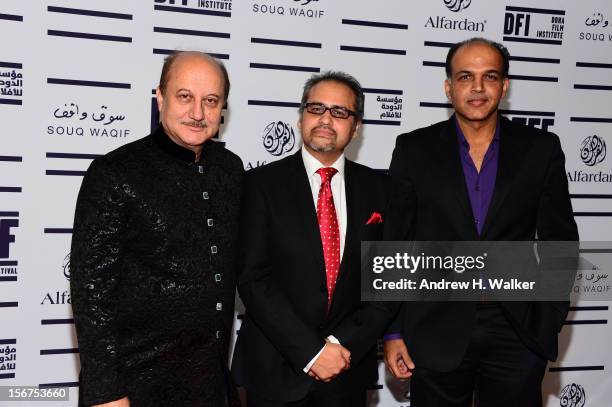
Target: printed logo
point(11, 81)
point(8, 357)
point(538, 26)
point(8, 222)
point(305, 9)
point(56, 298)
point(278, 138)
point(572, 395)
point(592, 153)
point(6, 236)
point(66, 267)
point(598, 29)
point(449, 23)
point(457, 5)
point(72, 119)
point(539, 122)
point(593, 150)
point(254, 164)
point(390, 106)
point(305, 2)
point(218, 5)
point(172, 2)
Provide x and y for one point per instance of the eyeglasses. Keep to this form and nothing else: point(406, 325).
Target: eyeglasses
point(336, 111)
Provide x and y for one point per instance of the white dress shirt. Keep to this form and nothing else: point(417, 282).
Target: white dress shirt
point(337, 186)
point(338, 191)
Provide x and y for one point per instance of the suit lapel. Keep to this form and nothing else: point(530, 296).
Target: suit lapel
point(510, 148)
point(301, 194)
point(451, 169)
point(353, 223)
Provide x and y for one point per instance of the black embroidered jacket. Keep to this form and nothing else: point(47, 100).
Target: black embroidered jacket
point(152, 274)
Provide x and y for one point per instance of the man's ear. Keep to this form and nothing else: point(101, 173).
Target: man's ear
point(160, 99)
point(357, 127)
point(447, 88)
point(505, 87)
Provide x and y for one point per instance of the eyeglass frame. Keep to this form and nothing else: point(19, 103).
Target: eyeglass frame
point(348, 111)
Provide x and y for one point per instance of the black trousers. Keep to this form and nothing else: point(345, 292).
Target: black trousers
point(314, 398)
point(496, 371)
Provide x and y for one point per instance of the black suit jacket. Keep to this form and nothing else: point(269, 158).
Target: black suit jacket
point(282, 282)
point(431, 203)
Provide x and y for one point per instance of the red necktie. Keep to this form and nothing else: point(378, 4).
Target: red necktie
point(328, 227)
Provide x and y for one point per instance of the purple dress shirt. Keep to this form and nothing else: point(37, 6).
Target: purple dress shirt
point(480, 185)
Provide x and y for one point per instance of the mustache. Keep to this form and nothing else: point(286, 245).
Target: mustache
point(326, 127)
point(194, 123)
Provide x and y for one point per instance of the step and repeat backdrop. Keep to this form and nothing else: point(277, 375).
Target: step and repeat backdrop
point(77, 80)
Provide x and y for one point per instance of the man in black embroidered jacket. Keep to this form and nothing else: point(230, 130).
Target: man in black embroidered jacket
point(153, 251)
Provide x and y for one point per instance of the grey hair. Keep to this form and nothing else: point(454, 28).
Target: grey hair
point(339, 77)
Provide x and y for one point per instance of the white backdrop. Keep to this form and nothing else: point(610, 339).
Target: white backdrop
point(76, 81)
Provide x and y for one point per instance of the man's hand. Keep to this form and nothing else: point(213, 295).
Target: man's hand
point(124, 402)
point(398, 359)
point(331, 362)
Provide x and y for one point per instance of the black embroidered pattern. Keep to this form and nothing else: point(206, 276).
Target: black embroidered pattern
point(152, 266)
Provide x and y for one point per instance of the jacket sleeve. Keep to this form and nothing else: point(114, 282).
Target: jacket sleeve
point(359, 331)
point(402, 207)
point(97, 244)
point(555, 222)
point(266, 304)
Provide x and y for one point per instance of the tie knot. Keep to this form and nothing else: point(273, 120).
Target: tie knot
point(326, 173)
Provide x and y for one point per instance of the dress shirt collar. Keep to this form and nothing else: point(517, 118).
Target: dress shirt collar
point(312, 164)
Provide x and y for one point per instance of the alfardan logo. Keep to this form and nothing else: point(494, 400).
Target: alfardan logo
point(572, 395)
point(456, 24)
point(278, 138)
point(593, 150)
point(457, 5)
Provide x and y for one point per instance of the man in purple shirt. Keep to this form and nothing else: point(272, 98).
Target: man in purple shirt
point(477, 176)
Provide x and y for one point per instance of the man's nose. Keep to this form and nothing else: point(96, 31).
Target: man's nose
point(326, 117)
point(197, 111)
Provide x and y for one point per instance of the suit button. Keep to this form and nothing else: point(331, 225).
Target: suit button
point(322, 288)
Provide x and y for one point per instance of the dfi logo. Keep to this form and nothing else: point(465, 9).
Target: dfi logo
point(183, 2)
point(6, 236)
point(516, 24)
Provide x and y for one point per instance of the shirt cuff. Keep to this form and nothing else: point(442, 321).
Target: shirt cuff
point(332, 339)
point(392, 336)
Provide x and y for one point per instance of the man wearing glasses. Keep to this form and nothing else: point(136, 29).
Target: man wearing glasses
point(302, 340)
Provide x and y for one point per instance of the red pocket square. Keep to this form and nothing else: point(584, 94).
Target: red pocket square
point(375, 217)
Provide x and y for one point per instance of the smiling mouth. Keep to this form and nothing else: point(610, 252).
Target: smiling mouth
point(477, 102)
